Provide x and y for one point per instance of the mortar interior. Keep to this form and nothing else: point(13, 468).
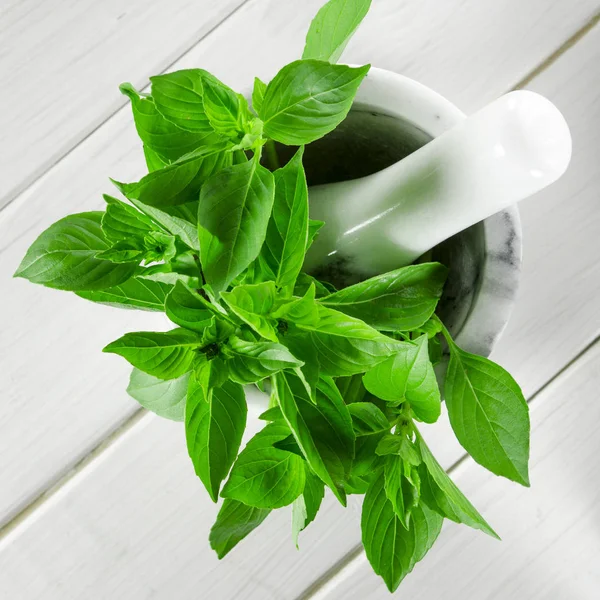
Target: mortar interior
point(367, 142)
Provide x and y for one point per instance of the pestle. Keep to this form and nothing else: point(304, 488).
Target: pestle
point(509, 150)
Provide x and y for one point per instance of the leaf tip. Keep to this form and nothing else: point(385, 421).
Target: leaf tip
point(128, 90)
point(111, 348)
point(221, 552)
point(391, 585)
point(109, 199)
point(340, 494)
point(120, 186)
point(365, 69)
point(524, 479)
point(214, 493)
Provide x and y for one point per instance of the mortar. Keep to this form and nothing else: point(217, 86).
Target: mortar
point(392, 117)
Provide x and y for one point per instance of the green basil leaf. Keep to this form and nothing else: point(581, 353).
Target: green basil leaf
point(160, 247)
point(154, 161)
point(401, 493)
point(299, 345)
point(306, 506)
point(408, 375)
point(314, 227)
point(164, 398)
point(256, 272)
point(254, 305)
point(239, 157)
point(435, 350)
point(258, 94)
point(226, 111)
point(123, 252)
point(298, 518)
point(367, 419)
point(252, 133)
point(249, 362)
point(289, 444)
point(401, 446)
point(427, 525)
point(323, 431)
point(180, 182)
point(122, 223)
point(166, 273)
point(332, 28)
point(366, 462)
point(157, 133)
point(488, 414)
point(187, 308)
point(264, 476)
point(351, 388)
point(304, 282)
point(342, 345)
point(392, 549)
point(300, 310)
point(64, 257)
point(176, 220)
point(313, 493)
point(440, 493)
point(307, 99)
point(309, 373)
point(431, 327)
point(287, 233)
point(165, 355)
point(234, 522)
point(134, 293)
point(178, 97)
point(215, 419)
point(234, 211)
point(272, 414)
point(210, 373)
point(401, 300)
point(330, 418)
point(357, 485)
point(218, 331)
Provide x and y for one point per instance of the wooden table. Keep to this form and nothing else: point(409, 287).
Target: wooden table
point(97, 498)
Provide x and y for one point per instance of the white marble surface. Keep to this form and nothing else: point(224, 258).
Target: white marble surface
point(130, 520)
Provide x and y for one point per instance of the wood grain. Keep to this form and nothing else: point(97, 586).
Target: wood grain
point(556, 314)
point(62, 62)
point(138, 513)
point(551, 540)
point(135, 525)
point(63, 397)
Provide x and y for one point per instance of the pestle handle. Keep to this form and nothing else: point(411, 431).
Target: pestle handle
point(509, 150)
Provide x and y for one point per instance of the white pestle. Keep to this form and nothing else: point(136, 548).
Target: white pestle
point(509, 150)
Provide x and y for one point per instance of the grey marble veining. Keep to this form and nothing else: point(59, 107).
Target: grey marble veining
point(496, 286)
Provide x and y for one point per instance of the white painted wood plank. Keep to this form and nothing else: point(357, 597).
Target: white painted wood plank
point(160, 462)
point(468, 50)
point(140, 515)
point(62, 396)
point(556, 314)
point(136, 525)
point(551, 540)
point(62, 61)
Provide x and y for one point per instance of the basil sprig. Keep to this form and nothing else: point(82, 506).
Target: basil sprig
point(215, 236)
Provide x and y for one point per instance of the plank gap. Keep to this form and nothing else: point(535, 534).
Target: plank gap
point(60, 482)
point(21, 189)
point(548, 62)
point(353, 559)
